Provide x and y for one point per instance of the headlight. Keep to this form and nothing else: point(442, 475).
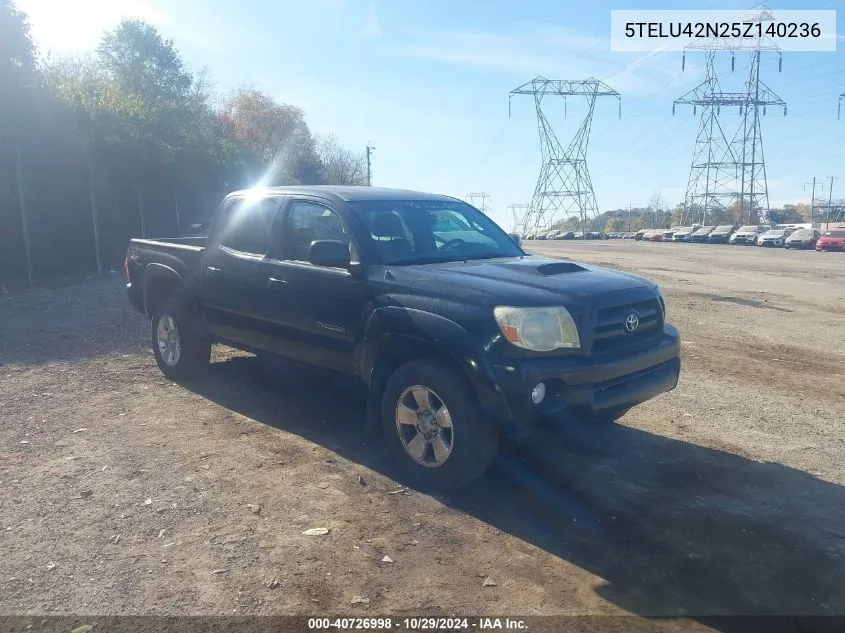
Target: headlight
point(538, 329)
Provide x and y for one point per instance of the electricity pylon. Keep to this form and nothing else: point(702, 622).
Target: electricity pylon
point(519, 212)
point(481, 201)
point(564, 187)
point(839, 109)
point(727, 172)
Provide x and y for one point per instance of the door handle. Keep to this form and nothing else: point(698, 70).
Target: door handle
point(212, 271)
point(272, 282)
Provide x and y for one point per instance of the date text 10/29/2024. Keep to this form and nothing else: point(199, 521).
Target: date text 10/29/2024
point(417, 624)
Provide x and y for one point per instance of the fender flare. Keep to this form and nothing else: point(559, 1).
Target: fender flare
point(433, 330)
point(155, 274)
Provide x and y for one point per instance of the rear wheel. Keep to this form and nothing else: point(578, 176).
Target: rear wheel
point(180, 352)
point(433, 427)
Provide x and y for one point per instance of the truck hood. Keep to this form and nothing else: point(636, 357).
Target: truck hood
point(516, 281)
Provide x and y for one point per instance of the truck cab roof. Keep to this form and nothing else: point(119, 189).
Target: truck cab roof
point(342, 193)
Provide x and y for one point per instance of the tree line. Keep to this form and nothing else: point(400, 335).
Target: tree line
point(128, 141)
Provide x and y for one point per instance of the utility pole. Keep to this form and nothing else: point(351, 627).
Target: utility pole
point(830, 199)
point(812, 196)
point(369, 168)
point(629, 218)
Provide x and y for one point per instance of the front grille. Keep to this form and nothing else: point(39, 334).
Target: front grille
point(610, 333)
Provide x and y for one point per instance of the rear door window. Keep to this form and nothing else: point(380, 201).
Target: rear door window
point(248, 226)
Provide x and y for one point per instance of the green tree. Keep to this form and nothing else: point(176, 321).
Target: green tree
point(18, 73)
point(145, 64)
point(789, 214)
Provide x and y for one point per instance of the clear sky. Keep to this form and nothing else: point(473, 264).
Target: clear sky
point(427, 84)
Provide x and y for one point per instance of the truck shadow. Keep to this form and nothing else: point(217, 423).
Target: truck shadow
point(673, 528)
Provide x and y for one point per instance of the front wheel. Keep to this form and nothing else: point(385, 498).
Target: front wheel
point(180, 352)
point(434, 429)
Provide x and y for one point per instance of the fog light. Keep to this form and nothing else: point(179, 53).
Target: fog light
point(538, 393)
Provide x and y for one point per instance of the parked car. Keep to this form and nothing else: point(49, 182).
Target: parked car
point(701, 234)
point(774, 237)
point(803, 238)
point(748, 234)
point(721, 234)
point(456, 335)
point(552, 235)
point(683, 234)
point(654, 235)
point(833, 240)
point(639, 235)
point(565, 235)
point(577, 235)
point(668, 234)
point(540, 236)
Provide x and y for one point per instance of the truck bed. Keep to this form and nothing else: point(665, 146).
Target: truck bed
point(182, 255)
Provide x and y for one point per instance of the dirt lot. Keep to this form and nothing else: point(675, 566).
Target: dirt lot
point(122, 493)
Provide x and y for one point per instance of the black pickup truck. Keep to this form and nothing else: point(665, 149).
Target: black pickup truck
point(458, 334)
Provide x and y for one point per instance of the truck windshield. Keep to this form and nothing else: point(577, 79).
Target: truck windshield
point(425, 231)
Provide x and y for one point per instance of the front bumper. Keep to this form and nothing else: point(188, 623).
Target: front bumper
point(578, 384)
point(745, 240)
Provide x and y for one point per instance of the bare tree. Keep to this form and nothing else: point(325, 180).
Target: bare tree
point(655, 204)
point(341, 166)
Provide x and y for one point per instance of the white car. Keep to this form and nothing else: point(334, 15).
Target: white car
point(748, 234)
point(775, 237)
point(683, 234)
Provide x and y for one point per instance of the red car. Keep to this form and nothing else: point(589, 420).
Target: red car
point(832, 241)
point(653, 236)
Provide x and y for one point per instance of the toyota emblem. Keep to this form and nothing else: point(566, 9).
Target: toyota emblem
point(632, 322)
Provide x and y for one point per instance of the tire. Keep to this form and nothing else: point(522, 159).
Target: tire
point(180, 352)
point(467, 442)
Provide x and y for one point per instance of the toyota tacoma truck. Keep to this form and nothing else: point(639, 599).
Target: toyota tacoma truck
point(458, 335)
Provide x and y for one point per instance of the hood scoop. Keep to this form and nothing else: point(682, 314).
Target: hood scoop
point(559, 268)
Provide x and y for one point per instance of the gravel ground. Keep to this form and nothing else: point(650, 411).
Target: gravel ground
point(123, 493)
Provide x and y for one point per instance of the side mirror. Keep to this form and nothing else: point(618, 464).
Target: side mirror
point(330, 253)
point(517, 238)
